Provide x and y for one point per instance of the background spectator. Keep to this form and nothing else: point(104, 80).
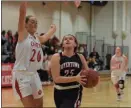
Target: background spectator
point(3, 38)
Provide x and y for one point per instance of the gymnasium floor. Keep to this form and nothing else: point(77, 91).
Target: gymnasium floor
point(101, 96)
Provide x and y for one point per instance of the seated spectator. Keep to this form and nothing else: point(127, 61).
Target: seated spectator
point(94, 54)
point(15, 39)
point(8, 51)
point(91, 63)
point(9, 34)
point(94, 63)
point(3, 38)
point(3, 41)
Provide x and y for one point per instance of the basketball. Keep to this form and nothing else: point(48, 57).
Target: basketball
point(92, 78)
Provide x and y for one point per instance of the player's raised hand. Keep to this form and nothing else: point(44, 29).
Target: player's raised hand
point(21, 23)
point(53, 27)
point(23, 6)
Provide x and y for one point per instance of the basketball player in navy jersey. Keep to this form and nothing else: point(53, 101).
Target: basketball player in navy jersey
point(29, 57)
point(65, 69)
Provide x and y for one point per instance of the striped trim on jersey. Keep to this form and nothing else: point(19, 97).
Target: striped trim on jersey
point(67, 87)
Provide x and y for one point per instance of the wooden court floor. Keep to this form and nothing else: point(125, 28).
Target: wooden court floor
point(103, 95)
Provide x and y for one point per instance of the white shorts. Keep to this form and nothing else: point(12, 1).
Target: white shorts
point(117, 75)
point(25, 84)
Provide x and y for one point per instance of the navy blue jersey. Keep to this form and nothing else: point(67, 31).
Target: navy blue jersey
point(69, 66)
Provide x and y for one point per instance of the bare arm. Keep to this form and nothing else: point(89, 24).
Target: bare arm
point(21, 23)
point(55, 71)
point(126, 63)
point(111, 64)
point(126, 60)
point(48, 35)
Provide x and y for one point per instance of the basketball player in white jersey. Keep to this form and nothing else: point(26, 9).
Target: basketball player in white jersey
point(118, 67)
point(29, 57)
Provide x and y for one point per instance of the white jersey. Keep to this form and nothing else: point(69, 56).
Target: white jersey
point(29, 55)
point(118, 63)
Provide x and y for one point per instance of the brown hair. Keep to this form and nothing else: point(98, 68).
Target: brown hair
point(27, 18)
point(75, 49)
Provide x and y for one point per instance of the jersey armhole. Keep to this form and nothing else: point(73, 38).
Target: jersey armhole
point(79, 55)
point(26, 34)
point(22, 42)
point(37, 38)
point(60, 54)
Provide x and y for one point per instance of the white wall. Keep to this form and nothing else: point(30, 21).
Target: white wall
point(74, 20)
point(103, 25)
point(103, 22)
point(45, 15)
point(71, 19)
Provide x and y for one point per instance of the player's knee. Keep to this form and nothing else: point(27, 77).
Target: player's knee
point(121, 84)
point(39, 103)
point(116, 85)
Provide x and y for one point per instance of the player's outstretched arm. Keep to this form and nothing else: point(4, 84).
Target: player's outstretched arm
point(111, 64)
point(126, 63)
point(48, 35)
point(21, 23)
point(55, 71)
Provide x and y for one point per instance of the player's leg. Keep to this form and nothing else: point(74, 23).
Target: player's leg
point(121, 86)
point(38, 102)
point(58, 97)
point(123, 76)
point(77, 102)
point(37, 90)
point(68, 104)
point(28, 101)
point(22, 89)
point(122, 82)
point(116, 84)
point(73, 98)
point(115, 81)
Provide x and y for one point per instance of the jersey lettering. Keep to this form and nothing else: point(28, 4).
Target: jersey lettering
point(118, 63)
point(35, 54)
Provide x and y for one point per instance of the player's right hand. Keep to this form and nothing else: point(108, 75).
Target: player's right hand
point(53, 27)
point(23, 6)
point(81, 79)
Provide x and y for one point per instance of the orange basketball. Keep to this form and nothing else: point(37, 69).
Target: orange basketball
point(92, 78)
